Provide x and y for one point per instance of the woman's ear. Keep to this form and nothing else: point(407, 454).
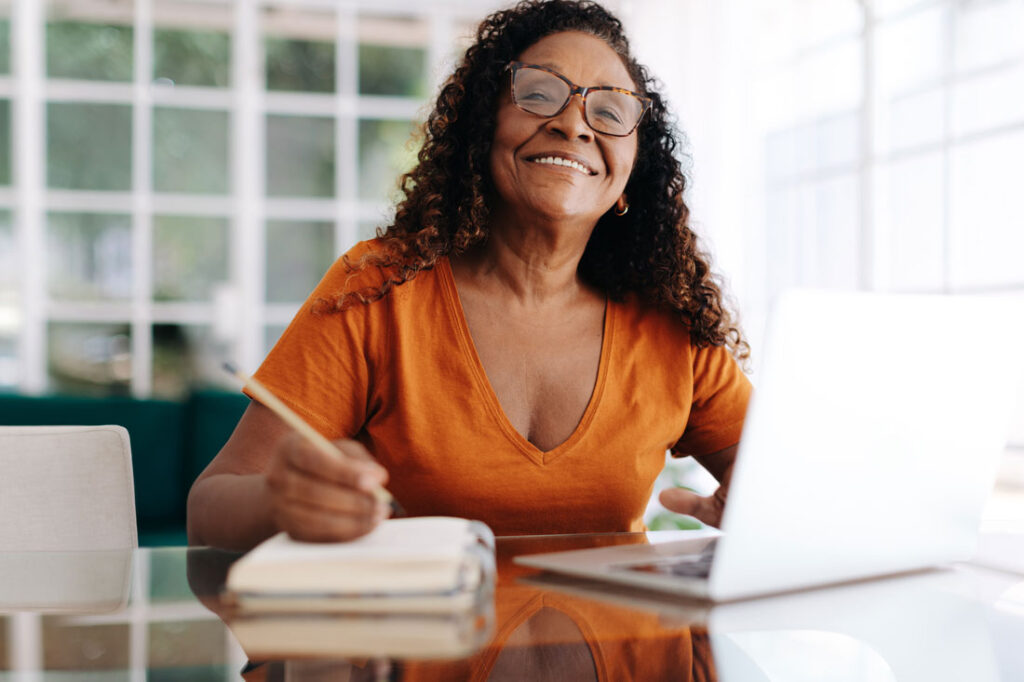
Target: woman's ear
point(621, 205)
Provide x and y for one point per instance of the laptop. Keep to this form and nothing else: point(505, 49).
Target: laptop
point(870, 447)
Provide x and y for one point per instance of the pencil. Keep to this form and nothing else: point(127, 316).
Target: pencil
point(263, 394)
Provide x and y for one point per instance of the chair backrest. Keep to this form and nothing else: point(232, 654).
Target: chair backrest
point(66, 488)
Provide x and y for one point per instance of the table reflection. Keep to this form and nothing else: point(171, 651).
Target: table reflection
point(159, 615)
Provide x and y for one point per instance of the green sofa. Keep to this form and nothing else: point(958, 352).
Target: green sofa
point(172, 442)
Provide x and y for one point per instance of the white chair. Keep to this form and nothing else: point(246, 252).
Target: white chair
point(66, 488)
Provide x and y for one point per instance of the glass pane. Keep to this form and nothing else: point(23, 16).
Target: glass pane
point(88, 51)
point(270, 336)
point(910, 241)
point(89, 256)
point(909, 51)
point(914, 120)
point(168, 577)
point(368, 230)
point(5, 142)
point(89, 146)
point(988, 33)
point(95, 649)
point(836, 255)
point(298, 255)
point(9, 314)
point(89, 358)
point(8, 361)
point(989, 101)
point(385, 152)
point(185, 357)
point(838, 140)
point(186, 650)
point(986, 225)
point(389, 70)
point(304, 65)
point(5, 45)
point(300, 156)
point(190, 256)
point(192, 57)
point(8, 259)
point(190, 151)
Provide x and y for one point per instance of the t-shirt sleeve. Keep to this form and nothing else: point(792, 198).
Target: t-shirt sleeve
point(326, 362)
point(721, 392)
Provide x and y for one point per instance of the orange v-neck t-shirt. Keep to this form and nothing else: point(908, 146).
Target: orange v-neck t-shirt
point(401, 375)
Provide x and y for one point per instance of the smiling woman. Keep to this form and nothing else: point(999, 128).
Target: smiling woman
point(526, 339)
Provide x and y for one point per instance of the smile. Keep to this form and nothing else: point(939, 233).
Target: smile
point(564, 163)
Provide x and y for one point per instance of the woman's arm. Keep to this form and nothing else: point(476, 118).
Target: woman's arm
point(267, 478)
point(706, 509)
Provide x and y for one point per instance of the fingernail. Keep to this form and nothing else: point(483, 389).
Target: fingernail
point(367, 482)
point(382, 511)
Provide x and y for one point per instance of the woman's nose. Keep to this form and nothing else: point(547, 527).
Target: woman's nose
point(571, 122)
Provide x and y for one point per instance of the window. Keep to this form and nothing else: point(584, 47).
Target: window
point(201, 164)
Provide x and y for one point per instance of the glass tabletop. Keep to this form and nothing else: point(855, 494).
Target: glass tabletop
point(159, 614)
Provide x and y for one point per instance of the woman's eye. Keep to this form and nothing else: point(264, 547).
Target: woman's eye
point(610, 115)
point(536, 96)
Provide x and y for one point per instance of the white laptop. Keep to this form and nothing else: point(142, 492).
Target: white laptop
point(870, 448)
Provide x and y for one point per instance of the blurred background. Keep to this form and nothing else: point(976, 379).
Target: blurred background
point(176, 175)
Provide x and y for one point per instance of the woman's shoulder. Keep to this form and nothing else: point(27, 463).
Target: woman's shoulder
point(364, 265)
point(649, 323)
point(368, 271)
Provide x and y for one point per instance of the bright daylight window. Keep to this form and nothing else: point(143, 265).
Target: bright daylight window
point(195, 167)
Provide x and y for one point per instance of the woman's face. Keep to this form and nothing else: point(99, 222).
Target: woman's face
point(529, 188)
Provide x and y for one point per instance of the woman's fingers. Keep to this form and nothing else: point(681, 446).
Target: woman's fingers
point(706, 509)
point(351, 465)
point(315, 524)
point(324, 496)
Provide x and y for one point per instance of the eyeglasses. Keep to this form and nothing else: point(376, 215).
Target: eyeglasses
point(606, 109)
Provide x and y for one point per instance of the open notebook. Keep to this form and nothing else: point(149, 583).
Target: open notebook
point(421, 565)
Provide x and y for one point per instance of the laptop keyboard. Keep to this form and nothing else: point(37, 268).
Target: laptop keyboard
point(690, 566)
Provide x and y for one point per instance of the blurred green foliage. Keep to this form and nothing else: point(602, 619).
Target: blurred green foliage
point(300, 156)
point(192, 57)
point(190, 255)
point(89, 146)
point(5, 45)
point(88, 51)
point(386, 150)
point(89, 256)
point(5, 142)
point(300, 65)
point(190, 151)
point(298, 254)
point(388, 70)
point(666, 520)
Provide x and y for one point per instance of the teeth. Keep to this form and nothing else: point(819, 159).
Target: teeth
point(559, 161)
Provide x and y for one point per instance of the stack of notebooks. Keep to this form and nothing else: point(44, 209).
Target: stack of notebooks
point(412, 588)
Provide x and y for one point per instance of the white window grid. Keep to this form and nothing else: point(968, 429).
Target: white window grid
point(869, 160)
point(245, 206)
point(875, 155)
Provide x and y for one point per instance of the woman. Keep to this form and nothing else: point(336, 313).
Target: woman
point(526, 339)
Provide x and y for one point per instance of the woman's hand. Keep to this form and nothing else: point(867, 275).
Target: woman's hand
point(317, 497)
point(705, 509)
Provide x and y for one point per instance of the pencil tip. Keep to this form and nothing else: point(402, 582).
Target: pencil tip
point(230, 368)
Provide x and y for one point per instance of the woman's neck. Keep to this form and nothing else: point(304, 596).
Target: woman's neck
point(528, 266)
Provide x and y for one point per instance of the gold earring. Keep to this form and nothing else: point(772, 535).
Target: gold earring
point(621, 207)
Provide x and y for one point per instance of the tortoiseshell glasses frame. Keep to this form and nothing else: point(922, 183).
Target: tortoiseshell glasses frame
point(617, 111)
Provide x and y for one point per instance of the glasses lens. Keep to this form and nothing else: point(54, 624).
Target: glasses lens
point(539, 92)
point(615, 113)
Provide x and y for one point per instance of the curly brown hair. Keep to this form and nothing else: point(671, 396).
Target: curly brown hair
point(651, 251)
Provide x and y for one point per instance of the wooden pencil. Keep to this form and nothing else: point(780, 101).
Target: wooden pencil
point(264, 395)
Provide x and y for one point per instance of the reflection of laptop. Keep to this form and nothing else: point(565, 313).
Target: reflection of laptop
point(936, 625)
point(870, 448)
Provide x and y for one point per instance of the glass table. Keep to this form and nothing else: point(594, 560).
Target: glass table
point(158, 614)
